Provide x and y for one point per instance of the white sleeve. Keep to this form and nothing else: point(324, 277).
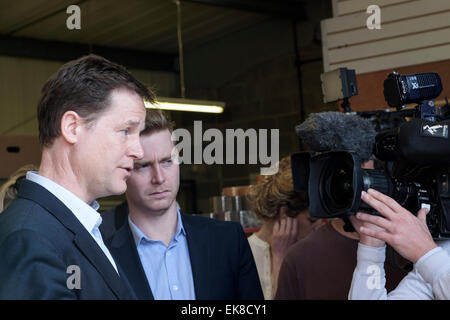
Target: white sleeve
point(368, 282)
point(434, 267)
point(430, 278)
point(412, 287)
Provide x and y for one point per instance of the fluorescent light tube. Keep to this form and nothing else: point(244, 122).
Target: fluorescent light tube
point(179, 104)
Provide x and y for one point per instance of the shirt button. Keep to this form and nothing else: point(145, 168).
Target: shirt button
point(175, 287)
point(169, 254)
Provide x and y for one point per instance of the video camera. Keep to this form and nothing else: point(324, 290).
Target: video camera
point(416, 157)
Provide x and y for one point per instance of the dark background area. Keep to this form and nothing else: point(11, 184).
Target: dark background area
point(262, 58)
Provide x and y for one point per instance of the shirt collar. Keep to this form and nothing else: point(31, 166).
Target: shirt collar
point(86, 214)
point(260, 242)
point(138, 235)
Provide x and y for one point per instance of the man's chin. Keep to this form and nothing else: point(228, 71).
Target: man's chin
point(118, 189)
point(159, 207)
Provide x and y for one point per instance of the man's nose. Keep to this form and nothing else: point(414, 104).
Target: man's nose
point(136, 151)
point(158, 176)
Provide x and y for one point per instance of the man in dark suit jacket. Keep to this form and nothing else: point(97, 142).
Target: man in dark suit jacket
point(222, 265)
point(90, 115)
point(213, 258)
point(40, 240)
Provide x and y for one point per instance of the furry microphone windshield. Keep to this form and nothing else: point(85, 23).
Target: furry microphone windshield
point(327, 131)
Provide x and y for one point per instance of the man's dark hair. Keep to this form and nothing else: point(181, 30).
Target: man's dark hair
point(83, 86)
point(156, 120)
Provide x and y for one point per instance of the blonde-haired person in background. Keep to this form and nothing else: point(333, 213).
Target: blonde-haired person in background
point(9, 190)
point(286, 220)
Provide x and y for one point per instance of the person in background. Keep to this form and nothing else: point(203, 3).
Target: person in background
point(9, 190)
point(286, 220)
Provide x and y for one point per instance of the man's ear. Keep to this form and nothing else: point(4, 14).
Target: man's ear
point(71, 124)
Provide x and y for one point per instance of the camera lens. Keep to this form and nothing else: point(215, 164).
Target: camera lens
point(337, 185)
point(342, 179)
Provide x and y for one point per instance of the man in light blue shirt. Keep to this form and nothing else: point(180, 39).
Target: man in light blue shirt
point(167, 267)
point(167, 254)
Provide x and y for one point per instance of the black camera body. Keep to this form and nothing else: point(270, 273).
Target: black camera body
point(416, 157)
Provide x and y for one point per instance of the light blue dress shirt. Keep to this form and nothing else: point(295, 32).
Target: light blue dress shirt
point(86, 214)
point(168, 268)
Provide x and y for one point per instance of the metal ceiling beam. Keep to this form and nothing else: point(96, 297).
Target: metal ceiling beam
point(292, 9)
point(43, 18)
point(65, 51)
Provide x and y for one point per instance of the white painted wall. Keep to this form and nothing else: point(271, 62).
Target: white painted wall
point(412, 32)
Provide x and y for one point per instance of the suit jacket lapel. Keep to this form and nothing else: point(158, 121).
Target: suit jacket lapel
point(199, 251)
point(98, 259)
point(82, 239)
point(124, 250)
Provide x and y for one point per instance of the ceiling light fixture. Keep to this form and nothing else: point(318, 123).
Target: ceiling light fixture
point(183, 104)
point(180, 104)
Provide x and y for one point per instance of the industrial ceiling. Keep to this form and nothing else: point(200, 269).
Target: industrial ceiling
point(128, 29)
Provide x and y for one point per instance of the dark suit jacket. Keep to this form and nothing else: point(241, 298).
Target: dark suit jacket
point(39, 239)
point(222, 262)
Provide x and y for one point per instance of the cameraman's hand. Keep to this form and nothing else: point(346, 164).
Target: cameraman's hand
point(406, 233)
point(363, 238)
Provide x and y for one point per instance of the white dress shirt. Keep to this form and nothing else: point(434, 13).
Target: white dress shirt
point(86, 214)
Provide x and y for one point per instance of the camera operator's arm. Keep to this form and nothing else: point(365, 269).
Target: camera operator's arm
point(369, 279)
point(434, 267)
point(368, 282)
point(410, 237)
